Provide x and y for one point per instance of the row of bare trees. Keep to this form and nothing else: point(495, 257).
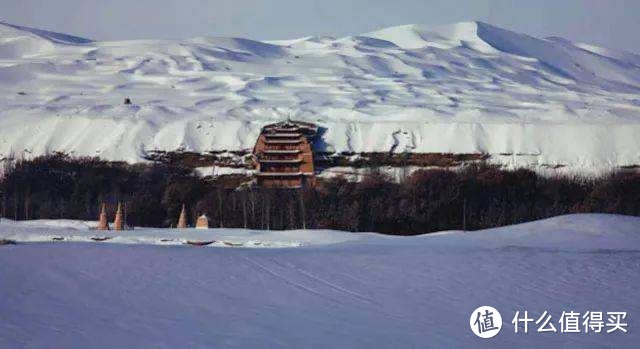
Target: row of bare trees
point(57, 186)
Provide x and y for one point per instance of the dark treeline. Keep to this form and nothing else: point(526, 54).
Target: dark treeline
point(476, 197)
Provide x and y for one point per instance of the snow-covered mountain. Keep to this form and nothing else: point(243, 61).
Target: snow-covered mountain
point(462, 88)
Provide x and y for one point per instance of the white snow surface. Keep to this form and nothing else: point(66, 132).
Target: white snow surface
point(338, 290)
point(85, 231)
point(463, 88)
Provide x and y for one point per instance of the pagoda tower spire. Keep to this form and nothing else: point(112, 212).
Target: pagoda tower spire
point(118, 224)
point(103, 224)
point(182, 221)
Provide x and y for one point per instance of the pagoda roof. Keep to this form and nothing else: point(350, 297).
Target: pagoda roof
point(283, 134)
point(281, 151)
point(283, 141)
point(283, 161)
point(283, 174)
point(285, 129)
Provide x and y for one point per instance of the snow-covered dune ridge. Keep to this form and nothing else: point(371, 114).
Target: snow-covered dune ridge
point(462, 88)
point(569, 232)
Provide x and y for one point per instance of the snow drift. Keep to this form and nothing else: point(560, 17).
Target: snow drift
point(462, 88)
point(367, 291)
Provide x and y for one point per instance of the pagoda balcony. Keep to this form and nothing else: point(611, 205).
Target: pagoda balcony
point(280, 161)
point(281, 151)
point(283, 174)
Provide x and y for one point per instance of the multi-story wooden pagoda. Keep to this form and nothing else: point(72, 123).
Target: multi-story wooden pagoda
point(284, 155)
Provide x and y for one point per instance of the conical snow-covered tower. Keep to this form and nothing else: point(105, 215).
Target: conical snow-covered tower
point(118, 224)
point(202, 222)
point(103, 224)
point(182, 221)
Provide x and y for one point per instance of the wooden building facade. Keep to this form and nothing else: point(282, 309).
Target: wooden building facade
point(284, 155)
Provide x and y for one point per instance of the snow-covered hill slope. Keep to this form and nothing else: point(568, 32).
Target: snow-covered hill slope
point(462, 88)
point(574, 232)
point(362, 291)
point(84, 231)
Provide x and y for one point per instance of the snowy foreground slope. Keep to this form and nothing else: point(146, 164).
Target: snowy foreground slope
point(462, 88)
point(337, 290)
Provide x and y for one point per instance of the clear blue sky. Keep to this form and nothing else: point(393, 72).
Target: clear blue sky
point(613, 23)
